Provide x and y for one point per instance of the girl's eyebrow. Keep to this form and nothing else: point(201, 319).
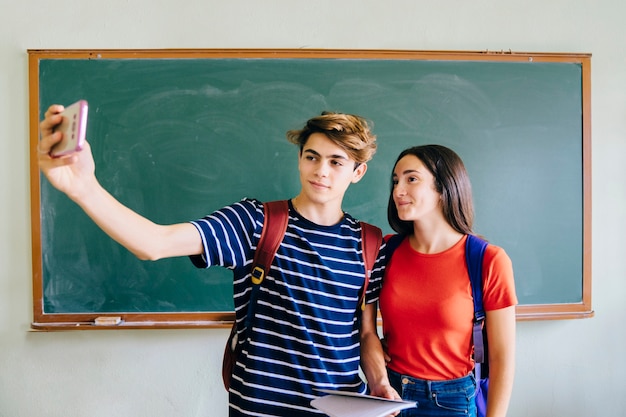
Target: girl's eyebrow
point(408, 171)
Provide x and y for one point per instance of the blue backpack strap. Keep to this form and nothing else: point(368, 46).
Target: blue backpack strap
point(474, 251)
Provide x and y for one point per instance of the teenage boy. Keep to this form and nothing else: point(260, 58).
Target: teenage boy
point(305, 334)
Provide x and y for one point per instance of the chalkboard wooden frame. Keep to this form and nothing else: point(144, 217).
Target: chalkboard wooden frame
point(43, 320)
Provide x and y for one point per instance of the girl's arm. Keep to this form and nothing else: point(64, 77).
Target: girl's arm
point(501, 340)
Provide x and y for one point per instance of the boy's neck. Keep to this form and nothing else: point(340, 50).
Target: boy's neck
point(324, 214)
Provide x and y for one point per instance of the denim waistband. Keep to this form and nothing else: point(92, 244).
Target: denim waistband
point(398, 379)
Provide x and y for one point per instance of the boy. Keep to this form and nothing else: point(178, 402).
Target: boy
point(305, 333)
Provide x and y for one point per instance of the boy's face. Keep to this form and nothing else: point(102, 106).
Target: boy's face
point(326, 170)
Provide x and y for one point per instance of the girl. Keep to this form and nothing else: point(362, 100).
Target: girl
point(426, 299)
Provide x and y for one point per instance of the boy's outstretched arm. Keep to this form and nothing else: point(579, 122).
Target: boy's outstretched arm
point(74, 175)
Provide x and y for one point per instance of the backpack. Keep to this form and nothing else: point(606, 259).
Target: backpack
point(274, 227)
point(474, 251)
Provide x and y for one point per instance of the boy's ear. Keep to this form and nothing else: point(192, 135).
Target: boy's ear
point(358, 173)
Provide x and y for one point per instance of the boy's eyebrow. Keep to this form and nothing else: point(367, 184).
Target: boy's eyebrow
point(336, 156)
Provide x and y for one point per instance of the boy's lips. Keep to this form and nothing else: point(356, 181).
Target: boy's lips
point(318, 184)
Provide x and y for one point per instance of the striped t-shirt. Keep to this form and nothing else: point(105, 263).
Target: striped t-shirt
point(305, 334)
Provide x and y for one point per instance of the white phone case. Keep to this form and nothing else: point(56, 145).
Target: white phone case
point(74, 126)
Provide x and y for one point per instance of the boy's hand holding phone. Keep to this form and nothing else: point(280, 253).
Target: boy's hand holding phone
point(66, 169)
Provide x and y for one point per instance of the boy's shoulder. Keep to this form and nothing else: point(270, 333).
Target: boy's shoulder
point(248, 204)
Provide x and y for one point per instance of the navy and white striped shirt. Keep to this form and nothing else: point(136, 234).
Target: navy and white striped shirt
point(305, 334)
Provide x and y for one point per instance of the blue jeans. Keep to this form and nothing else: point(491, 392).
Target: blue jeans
point(436, 398)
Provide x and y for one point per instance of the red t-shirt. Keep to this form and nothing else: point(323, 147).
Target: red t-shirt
point(427, 309)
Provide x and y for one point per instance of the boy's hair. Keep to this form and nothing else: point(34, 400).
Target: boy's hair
point(451, 181)
point(350, 132)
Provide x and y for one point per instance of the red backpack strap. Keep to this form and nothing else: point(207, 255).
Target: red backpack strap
point(274, 227)
point(371, 239)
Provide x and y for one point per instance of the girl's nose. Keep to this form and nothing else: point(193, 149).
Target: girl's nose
point(398, 190)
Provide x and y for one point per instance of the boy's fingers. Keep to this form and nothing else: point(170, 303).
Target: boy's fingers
point(54, 109)
point(52, 117)
point(41, 151)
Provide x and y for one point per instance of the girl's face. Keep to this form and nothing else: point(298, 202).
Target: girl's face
point(414, 190)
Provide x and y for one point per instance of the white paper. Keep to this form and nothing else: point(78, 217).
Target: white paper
point(351, 404)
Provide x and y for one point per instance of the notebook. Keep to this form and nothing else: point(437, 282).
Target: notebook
point(351, 404)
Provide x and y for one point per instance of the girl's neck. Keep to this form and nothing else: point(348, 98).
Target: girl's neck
point(433, 238)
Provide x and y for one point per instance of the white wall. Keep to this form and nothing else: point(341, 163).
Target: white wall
point(565, 368)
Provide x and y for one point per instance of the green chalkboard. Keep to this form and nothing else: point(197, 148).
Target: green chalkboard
point(176, 135)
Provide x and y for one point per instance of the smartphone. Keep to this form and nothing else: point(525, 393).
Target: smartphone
point(73, 127)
